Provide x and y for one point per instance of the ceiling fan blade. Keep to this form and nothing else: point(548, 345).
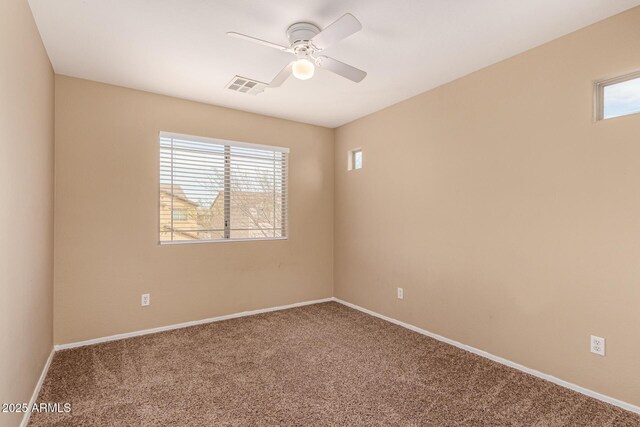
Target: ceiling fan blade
point(282, 76)
point(259, 41)
point(342, 28)
point(340, 68)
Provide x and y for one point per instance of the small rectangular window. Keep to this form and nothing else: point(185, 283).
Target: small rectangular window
point(217, 190)
point(179, 215)
point(355, 159)
point(618, 97)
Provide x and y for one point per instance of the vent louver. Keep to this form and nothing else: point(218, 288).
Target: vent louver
point(245, 85)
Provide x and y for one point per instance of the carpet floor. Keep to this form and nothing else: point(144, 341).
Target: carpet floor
point(318, 365)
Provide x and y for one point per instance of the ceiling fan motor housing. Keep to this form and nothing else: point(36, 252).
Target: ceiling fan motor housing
point(299, 35)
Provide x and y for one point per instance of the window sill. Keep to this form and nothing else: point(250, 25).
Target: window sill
point(191, 242)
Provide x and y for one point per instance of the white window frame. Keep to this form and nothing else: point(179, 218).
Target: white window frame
point(351, 159)
point(599, 94)
point(228, 144)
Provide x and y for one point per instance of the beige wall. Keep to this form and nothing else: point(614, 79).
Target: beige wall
point(509, 217)
point(106, 217)
point(26, 214)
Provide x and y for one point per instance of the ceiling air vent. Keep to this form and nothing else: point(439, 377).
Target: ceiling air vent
point(245, 85)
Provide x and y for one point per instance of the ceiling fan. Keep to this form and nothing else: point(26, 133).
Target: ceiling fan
point(306, 41)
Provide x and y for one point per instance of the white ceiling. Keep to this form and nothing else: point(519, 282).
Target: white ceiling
point(179, 47)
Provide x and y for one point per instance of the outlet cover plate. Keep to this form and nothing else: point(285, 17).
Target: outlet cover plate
point(597, 345)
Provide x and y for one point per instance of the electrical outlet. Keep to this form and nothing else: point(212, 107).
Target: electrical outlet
point(400, 293)
point(597, 345)
point(145, 300)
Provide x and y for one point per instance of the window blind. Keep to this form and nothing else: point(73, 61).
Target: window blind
point(217, 190)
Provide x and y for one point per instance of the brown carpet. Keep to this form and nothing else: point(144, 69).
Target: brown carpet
point(318, 365)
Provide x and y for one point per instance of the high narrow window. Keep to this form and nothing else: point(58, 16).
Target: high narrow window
point(355, 159)
point(618, 97)
point(217, 190)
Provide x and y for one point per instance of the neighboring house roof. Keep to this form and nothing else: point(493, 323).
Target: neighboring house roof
point(264, 195)
point(178, 193)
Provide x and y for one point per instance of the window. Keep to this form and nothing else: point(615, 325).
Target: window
point(216, 190)
point(179, 215)
point(355, 159)
point(618, 97)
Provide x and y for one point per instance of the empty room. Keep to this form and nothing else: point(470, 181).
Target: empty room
point(320, 213)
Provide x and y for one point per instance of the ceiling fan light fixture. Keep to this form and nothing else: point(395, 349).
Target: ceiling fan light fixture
point(303, 69)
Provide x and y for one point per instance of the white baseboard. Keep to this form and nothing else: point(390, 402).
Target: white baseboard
point(551, 378)
point(36, 392)
point(184, 325)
